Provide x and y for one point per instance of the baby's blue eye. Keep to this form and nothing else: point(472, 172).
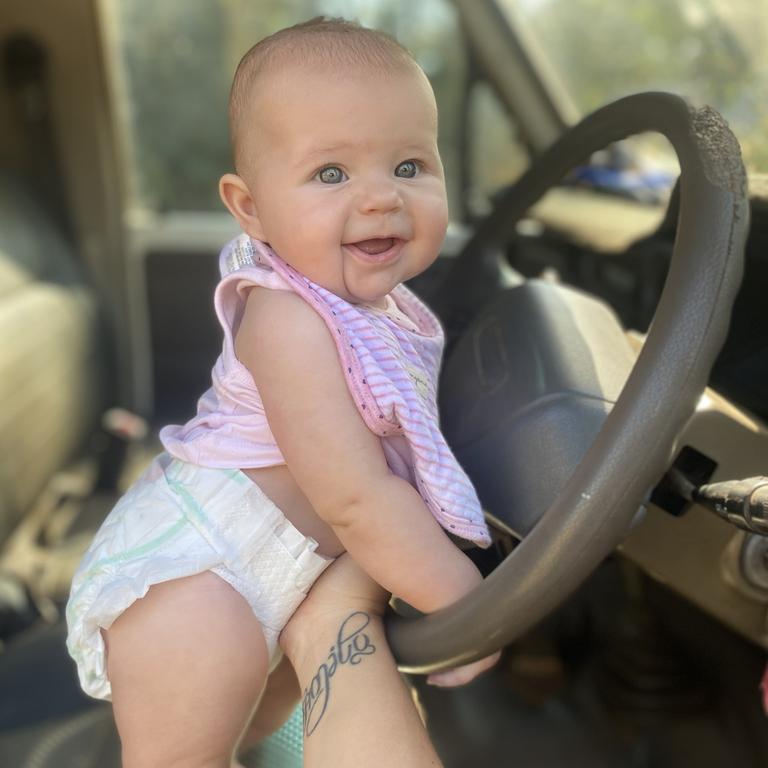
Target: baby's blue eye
point(332, 174)
point(407, 169)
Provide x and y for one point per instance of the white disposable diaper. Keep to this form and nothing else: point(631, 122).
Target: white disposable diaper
point(177, 520)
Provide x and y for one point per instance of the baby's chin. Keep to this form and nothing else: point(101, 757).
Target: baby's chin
point(371, 289)
point(370, 297)
point(373, 299)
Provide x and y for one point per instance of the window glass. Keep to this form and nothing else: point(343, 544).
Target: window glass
point(176, 61)
point(497, 155)
point(710, 51)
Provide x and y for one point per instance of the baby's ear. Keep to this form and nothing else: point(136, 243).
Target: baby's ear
point(237, 197)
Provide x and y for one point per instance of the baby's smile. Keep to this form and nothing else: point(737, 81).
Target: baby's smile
point(376, 250)
point(375, 245)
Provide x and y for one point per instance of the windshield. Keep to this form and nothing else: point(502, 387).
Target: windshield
point(174, 62)
point(709, 51)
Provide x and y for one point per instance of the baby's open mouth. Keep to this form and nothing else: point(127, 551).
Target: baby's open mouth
point(375, 246)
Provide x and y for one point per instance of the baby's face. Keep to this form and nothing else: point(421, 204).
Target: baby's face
point(346, 178)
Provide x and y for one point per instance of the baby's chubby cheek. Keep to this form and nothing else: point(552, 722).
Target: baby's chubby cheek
point(293, 240)
point(437, 228)
point(432, 214)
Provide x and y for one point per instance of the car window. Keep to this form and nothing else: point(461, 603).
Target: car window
point(497, 155)
point(175, 61)
point(710, 51)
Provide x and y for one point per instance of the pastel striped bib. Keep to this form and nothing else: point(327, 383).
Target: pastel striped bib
point(391, 370)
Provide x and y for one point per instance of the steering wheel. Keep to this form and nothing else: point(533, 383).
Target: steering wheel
point(594, 510)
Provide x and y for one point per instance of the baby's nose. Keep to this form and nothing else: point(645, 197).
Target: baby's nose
point(380, 196)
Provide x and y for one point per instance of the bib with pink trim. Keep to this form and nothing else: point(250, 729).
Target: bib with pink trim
point(391, 372)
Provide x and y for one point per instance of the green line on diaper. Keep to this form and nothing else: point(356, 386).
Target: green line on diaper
point(188, 499)
point(129, 553)
point(236, 475)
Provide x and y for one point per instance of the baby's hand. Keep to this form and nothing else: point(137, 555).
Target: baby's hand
point(451, 678)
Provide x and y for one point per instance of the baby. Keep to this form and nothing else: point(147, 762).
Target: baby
point(319, 434)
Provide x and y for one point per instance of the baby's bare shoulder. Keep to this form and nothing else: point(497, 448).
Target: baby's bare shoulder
point(280, 306)
point(279, 322)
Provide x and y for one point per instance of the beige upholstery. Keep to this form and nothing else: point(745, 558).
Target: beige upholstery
point(49, 367)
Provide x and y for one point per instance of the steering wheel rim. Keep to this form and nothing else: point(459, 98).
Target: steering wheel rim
point(594, 510)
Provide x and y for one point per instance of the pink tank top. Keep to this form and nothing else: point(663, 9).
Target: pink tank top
point(391, 359)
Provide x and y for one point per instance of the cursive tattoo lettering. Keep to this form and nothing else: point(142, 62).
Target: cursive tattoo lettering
point(351, 645)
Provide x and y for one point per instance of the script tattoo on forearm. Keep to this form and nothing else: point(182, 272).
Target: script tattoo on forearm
point(352, 644)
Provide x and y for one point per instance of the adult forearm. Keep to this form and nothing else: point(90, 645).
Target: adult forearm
point(395, 539)
point(353, 695)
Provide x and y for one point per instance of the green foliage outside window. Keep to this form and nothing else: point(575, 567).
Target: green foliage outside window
point(178, 57)
point(710, 51)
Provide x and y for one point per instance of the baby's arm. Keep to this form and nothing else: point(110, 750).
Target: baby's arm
point(338, 462)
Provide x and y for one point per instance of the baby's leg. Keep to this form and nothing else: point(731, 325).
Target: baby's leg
point(186, 665)
point(275, 706)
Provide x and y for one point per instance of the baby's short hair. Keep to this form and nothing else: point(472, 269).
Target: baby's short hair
point(318, 42)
